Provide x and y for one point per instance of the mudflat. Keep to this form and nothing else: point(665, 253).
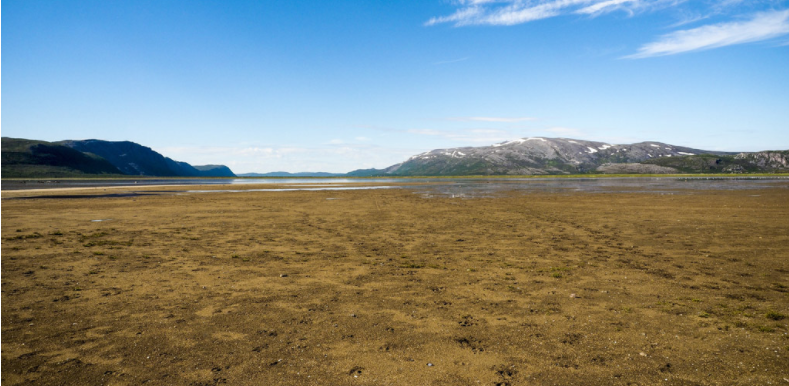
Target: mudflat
point(377, 287)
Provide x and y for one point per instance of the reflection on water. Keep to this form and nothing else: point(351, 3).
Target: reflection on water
point(451, 187)
point(51, 184)
point(292, 189)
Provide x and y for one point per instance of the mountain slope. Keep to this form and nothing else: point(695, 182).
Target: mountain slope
point(134, 159)
point(536, 156)
point(24, 158)
point(214, 171)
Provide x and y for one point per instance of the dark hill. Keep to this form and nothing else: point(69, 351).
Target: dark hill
point(214, 171)
point(24, 158)
point(134, 159)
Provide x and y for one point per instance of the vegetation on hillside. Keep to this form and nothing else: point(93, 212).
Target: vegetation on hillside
point(24, 158)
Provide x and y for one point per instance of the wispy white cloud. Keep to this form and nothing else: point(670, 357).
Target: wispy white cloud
point(736, 23)
point(492, 119)
point(689, 20)
point(763, 26)
point(605, 6)
point(512, 12)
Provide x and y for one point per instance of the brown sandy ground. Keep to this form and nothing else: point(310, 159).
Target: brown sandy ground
point(369, 287)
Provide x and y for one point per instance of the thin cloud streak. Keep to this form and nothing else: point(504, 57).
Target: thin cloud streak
point(492, 119)
point(762, 27)
point(736, 30)
point(605, 6)
point(512, 12)
point(451, 61)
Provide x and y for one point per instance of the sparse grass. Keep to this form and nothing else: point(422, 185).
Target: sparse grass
point(33, 235)
point(766, 329)
point(337, 271)
point(775, 315)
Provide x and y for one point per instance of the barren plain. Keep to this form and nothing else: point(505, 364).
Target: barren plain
point(386, 287)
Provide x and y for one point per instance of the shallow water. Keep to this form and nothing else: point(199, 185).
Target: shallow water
point(54, 184)
point(660, 185)
point(439, 187)
point(292, 189)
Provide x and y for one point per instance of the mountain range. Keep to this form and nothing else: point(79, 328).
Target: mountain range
point(23, 158)
point(535, 156)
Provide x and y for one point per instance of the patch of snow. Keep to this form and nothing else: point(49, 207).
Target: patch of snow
point(573, 142)
point(522, 140)
point(592, 150)
point(519, 140)
point(683, 153)
point(650, 155)
point(653, 145)
point(461, 153)
point(604, 147)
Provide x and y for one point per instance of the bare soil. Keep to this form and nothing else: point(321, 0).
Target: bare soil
point(386, 287)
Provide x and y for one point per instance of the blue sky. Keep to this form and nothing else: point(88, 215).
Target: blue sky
point(338, 85)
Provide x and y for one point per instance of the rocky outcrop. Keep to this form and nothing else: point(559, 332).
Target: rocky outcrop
point(769, 160)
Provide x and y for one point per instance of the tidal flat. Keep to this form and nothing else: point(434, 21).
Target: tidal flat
point(388, 286)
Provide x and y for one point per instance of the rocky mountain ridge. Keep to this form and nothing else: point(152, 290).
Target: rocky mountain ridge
point(539, 155)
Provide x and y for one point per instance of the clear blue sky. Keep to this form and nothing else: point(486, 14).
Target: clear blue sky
point(338, 85)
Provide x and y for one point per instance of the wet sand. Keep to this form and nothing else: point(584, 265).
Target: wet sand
point(387, 287)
